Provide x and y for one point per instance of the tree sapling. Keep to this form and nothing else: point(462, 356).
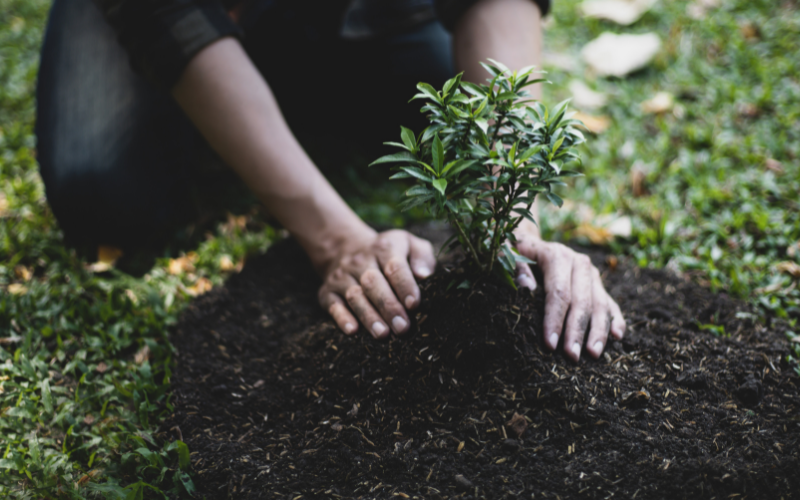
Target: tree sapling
point(487, 153)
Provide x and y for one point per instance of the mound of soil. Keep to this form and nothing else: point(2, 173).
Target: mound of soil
point(275, 402)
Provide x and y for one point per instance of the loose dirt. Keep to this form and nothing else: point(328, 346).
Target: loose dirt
point(275, 402)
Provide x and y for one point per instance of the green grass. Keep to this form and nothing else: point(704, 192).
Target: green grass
point(84, 358)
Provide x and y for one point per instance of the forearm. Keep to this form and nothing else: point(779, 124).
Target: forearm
point(232, 106)
point(509, 31)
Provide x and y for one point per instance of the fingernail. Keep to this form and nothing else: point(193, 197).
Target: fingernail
point(553, 340)
point(378, 329)
point(349, 328)
point(399, 324)
point(409, 302)
point(423, 271)
point(576, 350)
point(525, 281)
point(598, 347)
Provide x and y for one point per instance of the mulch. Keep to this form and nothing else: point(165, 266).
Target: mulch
point(275, 402)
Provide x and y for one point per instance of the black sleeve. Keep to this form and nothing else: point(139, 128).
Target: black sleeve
point(448, 11)
point(162, 36)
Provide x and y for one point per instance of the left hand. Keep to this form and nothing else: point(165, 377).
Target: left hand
point(576, 300)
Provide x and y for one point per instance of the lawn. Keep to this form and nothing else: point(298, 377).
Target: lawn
point(709, 186)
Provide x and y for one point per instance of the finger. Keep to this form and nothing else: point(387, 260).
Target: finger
point(580, 306)
point(618, 324)
point(601, 317)
point(336, 307)
point(379, 292)
point(367, 314)
point(557, 268)
point(393, 257)
point(525, 277)
point(421, 256)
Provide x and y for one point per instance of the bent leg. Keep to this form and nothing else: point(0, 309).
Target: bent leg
point(112, 148)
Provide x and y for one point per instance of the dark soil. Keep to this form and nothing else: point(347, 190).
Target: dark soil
point(274, 402)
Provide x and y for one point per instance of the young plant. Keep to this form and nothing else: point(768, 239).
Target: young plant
point(488, 152)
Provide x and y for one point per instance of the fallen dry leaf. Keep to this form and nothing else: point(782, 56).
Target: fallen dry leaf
point(517, 424)
point(618, 55)
point(749, 31)
point(3, 205)
point(624, 12)
point(793, 250)
point(22, 273)
point(597, 235)
point(142, 355)
point(226, 263)
point(17, 289)
point(585, 98)
point(88, 419)
point(183, 264)
point(101, 367)
point(106, 258)
point(594, 124)
point(789, 267)
point(201, 286)
point(638, 177)
point(618, 225)
point(774, 165)
point(659, 103)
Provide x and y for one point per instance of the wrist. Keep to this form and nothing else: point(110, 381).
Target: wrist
point(325, 250)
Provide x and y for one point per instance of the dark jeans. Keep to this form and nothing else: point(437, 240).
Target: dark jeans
point(119, 159)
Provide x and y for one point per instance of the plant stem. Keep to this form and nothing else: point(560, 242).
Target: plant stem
point(463, 235)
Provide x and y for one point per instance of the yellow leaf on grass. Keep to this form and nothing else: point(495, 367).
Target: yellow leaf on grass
point(17, 289)
point(183, 264)
point(789, 267)
point(201, 286)
point(597, 235)
point(3, 205)
point(106, 258)
point(659, 103)
point(23, 273)
point(624, 12)
point(226, 264)
point(594, 124)
point(618, 55)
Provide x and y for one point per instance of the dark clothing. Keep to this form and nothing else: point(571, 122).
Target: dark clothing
point(161, 36)
point(120, 161)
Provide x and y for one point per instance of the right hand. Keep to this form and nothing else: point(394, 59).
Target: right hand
point(374, 280)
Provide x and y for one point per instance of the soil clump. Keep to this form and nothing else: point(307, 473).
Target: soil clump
point(275, 402)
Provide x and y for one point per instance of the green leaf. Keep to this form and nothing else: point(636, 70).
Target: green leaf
point(397, 145)
point(475, 89)
point(47, 397)
point(530, 152)
point(419, 174)
point(455, 167)
point(394, 158)
point(554, 199)
point(437, 153)
point(137, 491)
point(408, 138)
point(557, 145)
point(184, 461)
point(413, 202)
point(428, 92)
point(440, 185)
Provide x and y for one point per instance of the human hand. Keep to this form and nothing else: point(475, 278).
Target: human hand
point(576, 300)
point(368, 277)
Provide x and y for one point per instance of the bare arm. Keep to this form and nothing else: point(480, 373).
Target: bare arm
point(232, 106)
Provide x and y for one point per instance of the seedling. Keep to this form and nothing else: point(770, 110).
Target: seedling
point(488, 152)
